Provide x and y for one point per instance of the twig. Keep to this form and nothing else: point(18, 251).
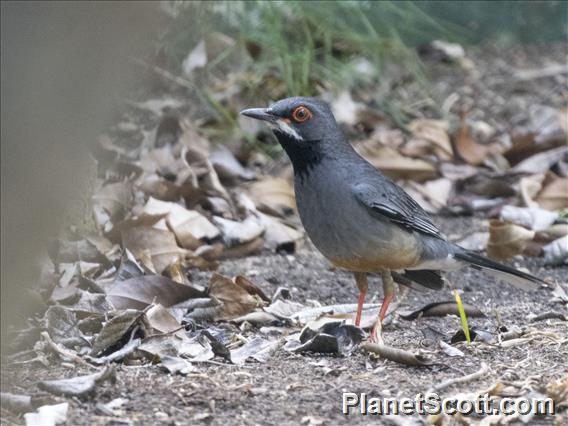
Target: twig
point(61, 351)
point(464, 379)
point(549, 71)
point(396, 355)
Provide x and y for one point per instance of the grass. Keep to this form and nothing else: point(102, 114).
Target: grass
point(303, 48)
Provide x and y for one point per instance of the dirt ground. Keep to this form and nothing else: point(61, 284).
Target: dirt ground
point(295, 389)
point(292, 388)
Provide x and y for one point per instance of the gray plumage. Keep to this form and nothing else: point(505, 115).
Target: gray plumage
point(358, 218)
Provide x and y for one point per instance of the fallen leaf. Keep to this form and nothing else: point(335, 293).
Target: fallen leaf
point(110, 203)
point(474, 242)
point(196, 59)
point(394, 165)
point(441, 309)
point(273, 196)
point(435, 132)
point(176, 365)
point(280, 237)
point(529, 187)
point(556, 253)
point(507, 240)
point(554, 194)
point(257, 348)
point(15, 403)
point(139, 292)
point(471, 151)
point(396, 355)
point(159, 244)
point(235, 300)
point(450, 350)
point(48, 415)
point(332, 337)
point(239, 232)
point(162, 321)
point(114, 330)
point(227, 166)
point(189, 226)
point(542, 162)
point(532, 218)
point(80, 386)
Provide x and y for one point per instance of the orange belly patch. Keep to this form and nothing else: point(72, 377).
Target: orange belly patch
point(398, 254)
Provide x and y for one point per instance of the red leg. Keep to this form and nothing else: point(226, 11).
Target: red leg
point(385, 306)
point(361, 280)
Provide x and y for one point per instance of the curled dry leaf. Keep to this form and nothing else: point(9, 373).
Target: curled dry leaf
point(110, 203)
point(235, 300)
point(15, 403)
point(554, 194)
point(227, 166)
point(189, 226)
point(258, 349)
point(394, 165)
point(396, 355)
point(273, 196)
point(139, 292)
point(432, 195)
point(529, 187)
point(159, 244)
point(48, 415)
point(236, 233)
point(556, 253)
point(531, 218)
point(115, 329)
point(434, 133)
point(471, 151)
point(161, 320)
point(78, 386)
point(507, 240)
point(280, 237)
point(540, 163)
point(441, 309)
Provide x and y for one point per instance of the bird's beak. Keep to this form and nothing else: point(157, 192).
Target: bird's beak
point(263, 114)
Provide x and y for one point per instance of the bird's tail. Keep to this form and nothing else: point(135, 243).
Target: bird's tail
point(511, 275)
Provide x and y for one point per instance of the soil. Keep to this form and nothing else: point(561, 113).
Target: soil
point(290, 388)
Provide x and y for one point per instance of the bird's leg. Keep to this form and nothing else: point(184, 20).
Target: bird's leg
point(361, 280)
point(389, 290)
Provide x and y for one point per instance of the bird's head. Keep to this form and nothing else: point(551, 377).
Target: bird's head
point(297, 121)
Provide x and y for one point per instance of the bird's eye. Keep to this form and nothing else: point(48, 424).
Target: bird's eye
point(301, 114)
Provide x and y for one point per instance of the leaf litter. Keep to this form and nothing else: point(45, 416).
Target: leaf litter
point(172, 208)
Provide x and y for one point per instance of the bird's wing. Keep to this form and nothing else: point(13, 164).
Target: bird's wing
point(389, 201)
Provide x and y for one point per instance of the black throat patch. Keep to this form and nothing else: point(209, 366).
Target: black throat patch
point(304, 155)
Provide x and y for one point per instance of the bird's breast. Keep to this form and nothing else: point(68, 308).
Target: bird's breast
point(345, 232)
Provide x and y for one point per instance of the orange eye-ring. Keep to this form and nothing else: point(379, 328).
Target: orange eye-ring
point(301, 114)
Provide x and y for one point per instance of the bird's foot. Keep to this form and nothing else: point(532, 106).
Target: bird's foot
point(376, 335)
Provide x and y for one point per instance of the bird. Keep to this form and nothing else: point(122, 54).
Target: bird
point(359, 219)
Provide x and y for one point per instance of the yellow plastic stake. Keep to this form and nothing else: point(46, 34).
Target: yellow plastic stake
point(463, 317)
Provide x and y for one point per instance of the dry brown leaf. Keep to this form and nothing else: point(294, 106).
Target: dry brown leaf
point(274, 196)
point(189, 226)
point(235, 300)
point(139, 292)
point(394, 165)
point(236, 233)
point(554, 194)
point(160, 245)
point(471, 151)
point(243, 250)
point(436, 133)
point(507, 240)
point(161, 320)
point(529, 187)
point(541, 162)
point(227, 166)
point(110, 203)
point(432, 195)
point(279, 236)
